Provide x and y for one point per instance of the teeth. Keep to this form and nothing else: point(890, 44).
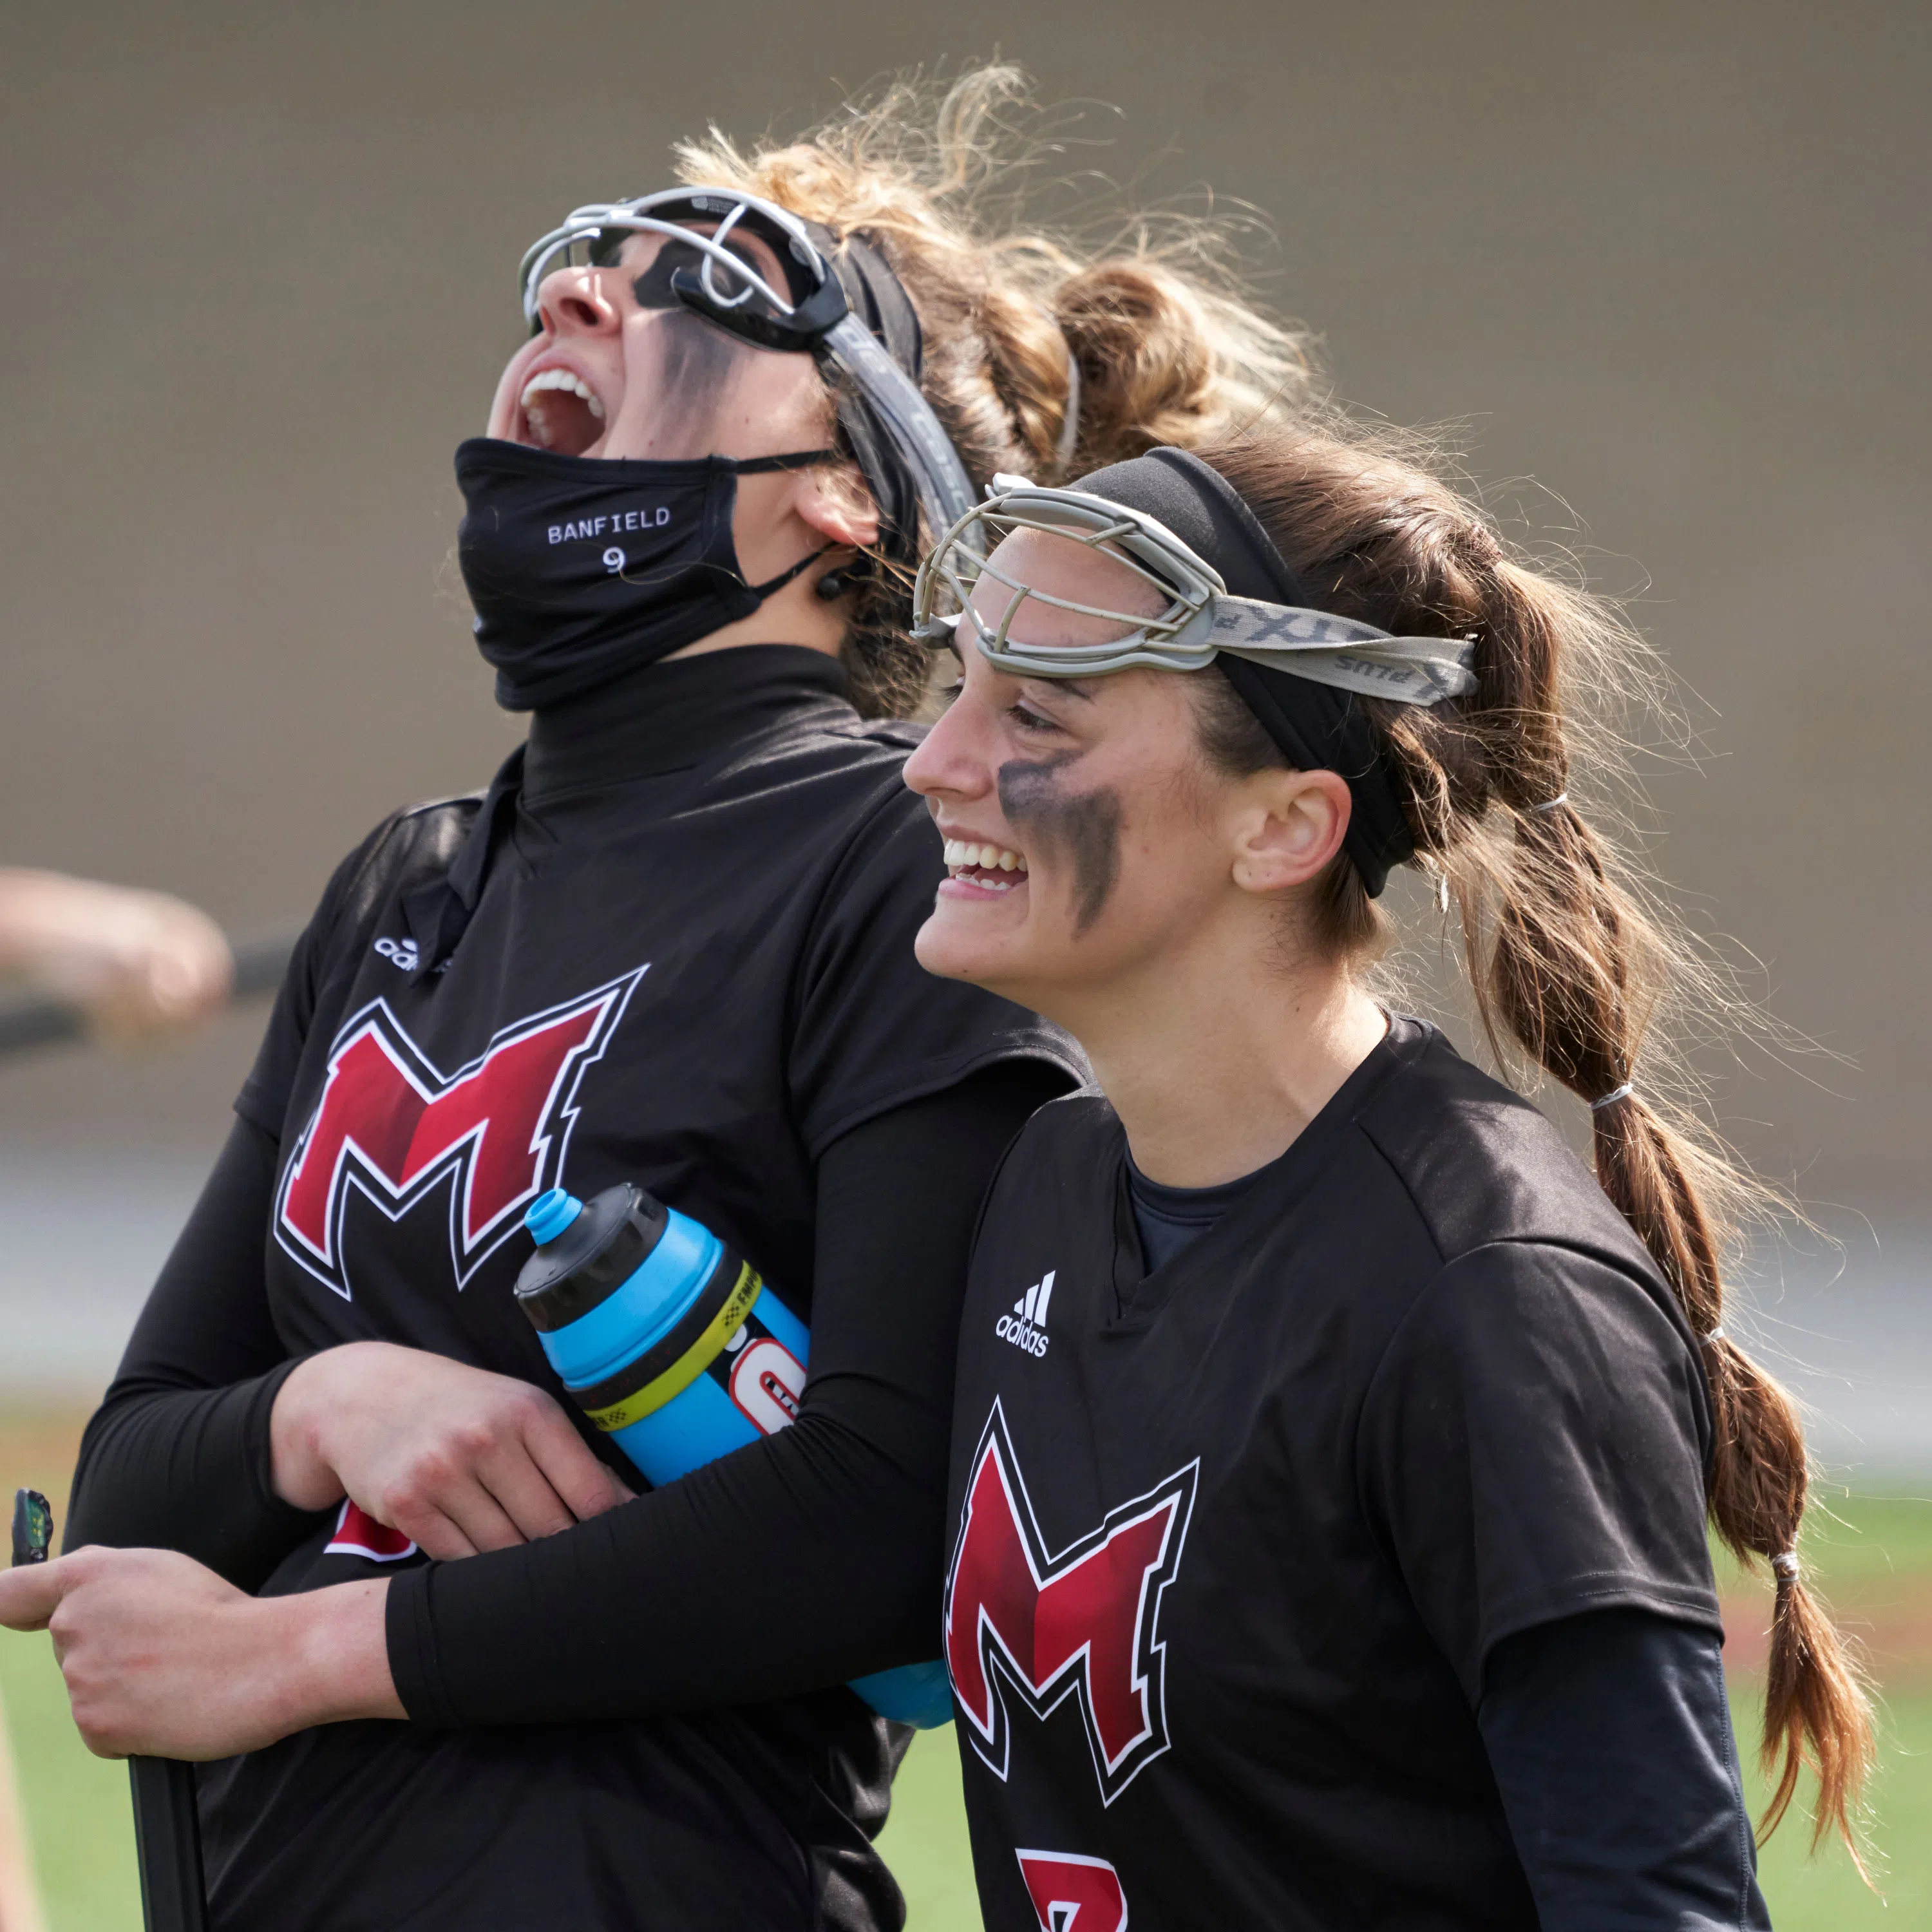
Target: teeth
point(961, 853)
point(571, 385)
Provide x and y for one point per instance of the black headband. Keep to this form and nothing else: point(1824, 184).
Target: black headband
point(1316, 727)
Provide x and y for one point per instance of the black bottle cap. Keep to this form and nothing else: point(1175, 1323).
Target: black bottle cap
point(607, 1243)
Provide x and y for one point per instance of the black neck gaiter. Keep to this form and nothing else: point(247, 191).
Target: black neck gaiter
point(581, 568)
point(666, 718)
point(673, 717)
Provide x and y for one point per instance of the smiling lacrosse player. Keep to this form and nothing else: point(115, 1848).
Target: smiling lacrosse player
point(1332, 1453)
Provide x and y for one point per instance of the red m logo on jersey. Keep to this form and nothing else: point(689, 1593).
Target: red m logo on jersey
point(1072, 1894)
point(1047, 1627)
point(389, 1125)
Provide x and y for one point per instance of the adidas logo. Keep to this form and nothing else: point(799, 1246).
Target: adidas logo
point(1026, 1327)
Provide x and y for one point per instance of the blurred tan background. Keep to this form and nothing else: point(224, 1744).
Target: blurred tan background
point(1667, 261)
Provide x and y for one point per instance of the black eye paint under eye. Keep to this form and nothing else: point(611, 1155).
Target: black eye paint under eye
point(699, 361)
point(1086, 826)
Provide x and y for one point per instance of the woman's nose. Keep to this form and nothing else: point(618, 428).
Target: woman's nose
point(572, 301)
point(950, 759)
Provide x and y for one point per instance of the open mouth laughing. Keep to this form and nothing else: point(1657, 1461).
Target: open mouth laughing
point(559, 410)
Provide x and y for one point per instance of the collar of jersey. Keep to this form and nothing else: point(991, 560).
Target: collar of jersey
point(1273, 1191)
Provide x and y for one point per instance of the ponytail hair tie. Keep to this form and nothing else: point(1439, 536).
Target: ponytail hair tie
point(1713, 1336)
point(1611, 1099)
point(1551, 804)
point(1786, 1564)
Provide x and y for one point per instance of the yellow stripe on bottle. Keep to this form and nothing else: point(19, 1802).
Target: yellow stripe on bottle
point(689, 1366)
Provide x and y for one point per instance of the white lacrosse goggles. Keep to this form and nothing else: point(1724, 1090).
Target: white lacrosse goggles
point(1200, 621)
point(811, 314)
point(728, 278)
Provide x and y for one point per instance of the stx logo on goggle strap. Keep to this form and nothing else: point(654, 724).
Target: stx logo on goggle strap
point(391, 1126)
point(1021, 1622)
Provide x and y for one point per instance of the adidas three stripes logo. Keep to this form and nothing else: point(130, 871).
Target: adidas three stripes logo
point(1026, 1327)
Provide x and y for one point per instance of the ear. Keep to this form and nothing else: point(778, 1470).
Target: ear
point(832, 499)
point(1292, 825)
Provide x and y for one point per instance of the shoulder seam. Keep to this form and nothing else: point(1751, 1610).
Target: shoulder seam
point(422, 805)
point(1428, 1287)
point(385, 833)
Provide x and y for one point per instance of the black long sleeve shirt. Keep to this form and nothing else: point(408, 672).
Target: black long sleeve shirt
point(672, 944)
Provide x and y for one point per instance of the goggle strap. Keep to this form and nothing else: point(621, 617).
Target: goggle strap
point(1407, 677)
point(822, 323)
point(945, 493)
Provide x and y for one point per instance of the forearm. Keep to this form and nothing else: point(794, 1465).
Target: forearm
point(137, 960)
point(187, 1469)
point(27, 902)
point(797, 1562)
point(1610, 1739)
point(288, 1663)
point(807, 1558)
point(163, 1659)
point(340, 1664)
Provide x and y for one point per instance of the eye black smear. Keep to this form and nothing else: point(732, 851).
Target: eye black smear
point(698, 363)
point(1085, 825)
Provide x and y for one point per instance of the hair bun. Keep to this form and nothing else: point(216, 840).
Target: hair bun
point(1027, 358)
point(1166, 346)
point(1145, 344)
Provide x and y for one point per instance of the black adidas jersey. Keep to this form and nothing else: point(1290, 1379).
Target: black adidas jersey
point(1234, 1538)
point(688, 964)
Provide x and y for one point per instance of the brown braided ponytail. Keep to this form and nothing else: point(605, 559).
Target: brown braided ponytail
point(1572, 964)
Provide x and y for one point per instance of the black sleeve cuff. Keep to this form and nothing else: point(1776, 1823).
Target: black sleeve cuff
point(409, 1633)
point(258, 1446)
point(191, 1470)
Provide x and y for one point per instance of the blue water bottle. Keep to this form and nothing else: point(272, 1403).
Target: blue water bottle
point(676, 1349)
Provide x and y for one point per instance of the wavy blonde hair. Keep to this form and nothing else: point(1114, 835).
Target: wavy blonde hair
point(1168, 346)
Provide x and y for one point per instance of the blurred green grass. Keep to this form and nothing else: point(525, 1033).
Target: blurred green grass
point(1873, 1554)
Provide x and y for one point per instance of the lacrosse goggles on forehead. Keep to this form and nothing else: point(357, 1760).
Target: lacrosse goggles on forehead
point(1200, 620)
point(717, 277)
